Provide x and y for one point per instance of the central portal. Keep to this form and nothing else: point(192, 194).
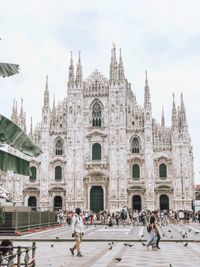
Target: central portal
point(96, 199)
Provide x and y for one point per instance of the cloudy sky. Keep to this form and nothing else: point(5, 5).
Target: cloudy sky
point(161, 36)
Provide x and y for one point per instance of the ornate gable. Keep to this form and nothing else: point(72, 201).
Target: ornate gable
point(96, 85)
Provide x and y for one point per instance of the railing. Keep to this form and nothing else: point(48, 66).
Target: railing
point(14, 256)
point(26, 220)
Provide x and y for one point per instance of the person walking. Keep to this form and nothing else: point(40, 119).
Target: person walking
point(77, 232)
point(153, 234)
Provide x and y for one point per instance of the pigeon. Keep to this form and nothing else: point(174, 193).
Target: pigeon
point(170, 265)
point(169, 231)
point(185, 244)
point(57, 237)
point(196, 233)
point(129, 245)
point(163, 235)
point(190, 230)
point(142, 235)
point(118, 259)
point(110, 247)
point(139, 240)
point(51, 245)
point(171, 236)
point(109, 244)
point(112, 242)
point(143, 244)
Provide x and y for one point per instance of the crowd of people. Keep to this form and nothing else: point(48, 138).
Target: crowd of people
point(128, 216)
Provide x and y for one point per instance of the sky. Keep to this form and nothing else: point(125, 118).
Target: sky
point(160, 36)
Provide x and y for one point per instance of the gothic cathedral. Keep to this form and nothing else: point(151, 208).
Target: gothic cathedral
point(103, 151)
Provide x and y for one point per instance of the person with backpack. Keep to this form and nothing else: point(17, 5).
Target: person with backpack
point(77, 232)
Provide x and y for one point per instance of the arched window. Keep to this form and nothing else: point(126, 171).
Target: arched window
point(33, 174)
point(135, 145)
point(136, 171)
point(96, 151)
point(96, 115)
point(163, 171)
point(58, 173)
point(59, 147)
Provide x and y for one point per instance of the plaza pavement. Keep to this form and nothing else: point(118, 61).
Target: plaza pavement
point(99, 254)
point(53, 247)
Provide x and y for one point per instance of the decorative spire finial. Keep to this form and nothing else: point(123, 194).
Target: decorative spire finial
point(79, 74)
point(163, 118)
point(71, 71)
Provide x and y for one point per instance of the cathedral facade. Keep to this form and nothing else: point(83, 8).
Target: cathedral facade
point(101, 150)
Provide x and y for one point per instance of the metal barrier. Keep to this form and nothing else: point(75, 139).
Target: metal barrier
point(26, 220)
point(14, 256)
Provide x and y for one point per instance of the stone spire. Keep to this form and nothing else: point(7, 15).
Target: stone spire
point(21, 110)
point(14, 115)
point(182, 122)
point(120, 67)
point(71, 72)
point(46, 94)
point(147, 100)
point(22, 117)
point(54, 111)
point(183, 112)
point(163, 118)
point(113, 65)
point(79, 74)
point(31, 127)
point(174, 113)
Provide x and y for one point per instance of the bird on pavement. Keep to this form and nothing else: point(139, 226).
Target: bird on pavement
point(110, 247)
point(139, 240)
point(190, 230)
point(196, 233)
point(170, 265)
point(129, 245)
point(51, 245)
point(185, 244)
point(142, 235)
point(57, 237)
point(169, 231)
point(112, 242)
point(163, 235)
point(143, 244)
point(171, 236)
point(118, 259)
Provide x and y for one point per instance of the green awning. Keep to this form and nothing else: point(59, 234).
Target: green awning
point(7, 69)
point(9, 162)
point(13, 135)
